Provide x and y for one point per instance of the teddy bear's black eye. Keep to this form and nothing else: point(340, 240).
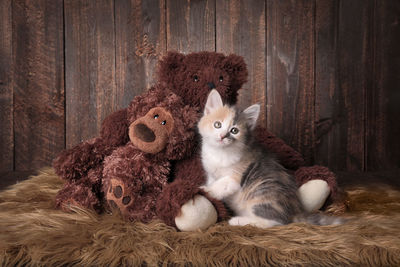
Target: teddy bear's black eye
point(195, 78)
point(156, 116)
point(221, 78)
point(163, 122)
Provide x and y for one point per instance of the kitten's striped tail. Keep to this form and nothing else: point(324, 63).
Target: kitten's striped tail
point(318, 219)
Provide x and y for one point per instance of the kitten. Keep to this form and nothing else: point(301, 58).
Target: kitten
point(244, 175)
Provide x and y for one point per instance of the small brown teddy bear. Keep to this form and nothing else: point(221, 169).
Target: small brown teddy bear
point(161, 129)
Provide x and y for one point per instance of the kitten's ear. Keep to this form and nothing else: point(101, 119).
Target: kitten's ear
point(214, 101)
point(252, 114)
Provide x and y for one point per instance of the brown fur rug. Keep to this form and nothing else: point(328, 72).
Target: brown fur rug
point(32, 232)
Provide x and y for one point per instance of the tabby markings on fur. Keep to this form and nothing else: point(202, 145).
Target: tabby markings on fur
point(243, 174)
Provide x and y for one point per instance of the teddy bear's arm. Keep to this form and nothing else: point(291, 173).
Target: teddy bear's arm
point(188, 177)
point(74, 163)
point(288, 157)
point(187, 180)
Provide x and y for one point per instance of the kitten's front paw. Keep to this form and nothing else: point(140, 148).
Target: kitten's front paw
point(208, 190)
point(204, 188)
point(231, 186)
point(225, 187)
point(212, 191)
point(222, 188)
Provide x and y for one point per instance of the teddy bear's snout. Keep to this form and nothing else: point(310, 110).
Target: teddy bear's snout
point(150, 132)
point(144, 133)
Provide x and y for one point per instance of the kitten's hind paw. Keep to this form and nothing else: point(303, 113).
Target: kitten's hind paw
point(254, 221)
point(239, 221)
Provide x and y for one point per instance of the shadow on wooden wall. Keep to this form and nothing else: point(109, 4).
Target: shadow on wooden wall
point(326, 72)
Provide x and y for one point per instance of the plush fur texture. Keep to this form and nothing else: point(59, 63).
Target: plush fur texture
point(133, 178)
point(133, 175)
point(305, 174)
point(226, 73)
point(32, 232)
point(190, 77)
point(243, 174)
point(193, 76)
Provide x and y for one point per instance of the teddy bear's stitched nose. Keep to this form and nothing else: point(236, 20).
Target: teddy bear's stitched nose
point(144, 133)
point(211, 85)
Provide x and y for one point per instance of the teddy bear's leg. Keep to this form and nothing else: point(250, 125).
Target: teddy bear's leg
point(313, 194)
point(118, 195)
point(125, 185)
point(131, 197)
point(78, 194)
point(86, 192)
point(316, 185)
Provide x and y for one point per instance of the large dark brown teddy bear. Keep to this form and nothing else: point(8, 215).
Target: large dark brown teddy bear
point(179, 202)
point(192, 77)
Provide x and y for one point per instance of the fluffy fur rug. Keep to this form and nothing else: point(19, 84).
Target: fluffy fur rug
point(32, 232)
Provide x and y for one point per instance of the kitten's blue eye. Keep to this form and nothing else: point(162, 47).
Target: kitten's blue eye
point(217, 124)
point(234, 130)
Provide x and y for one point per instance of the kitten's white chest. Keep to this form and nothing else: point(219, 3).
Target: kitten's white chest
point(218, 162)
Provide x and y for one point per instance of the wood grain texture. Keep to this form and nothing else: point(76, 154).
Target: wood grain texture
point(326, 72)
point(383, 97)
point(240, 29)
point(38, 81)
point(290, 73)
point(90, 67)
point(354, 72)
point(329, 115)
point(6, 89)
point(190, 25)
point(140, 43)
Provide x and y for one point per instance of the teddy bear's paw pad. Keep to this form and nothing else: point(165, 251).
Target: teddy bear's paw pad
point(116, 197)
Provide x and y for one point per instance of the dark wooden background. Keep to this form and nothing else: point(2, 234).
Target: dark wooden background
point(326, 72)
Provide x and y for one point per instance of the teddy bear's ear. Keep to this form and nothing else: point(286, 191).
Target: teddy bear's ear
point(170, 64)
point(236, 67)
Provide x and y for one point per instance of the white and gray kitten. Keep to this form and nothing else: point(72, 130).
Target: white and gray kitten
point(243, 174)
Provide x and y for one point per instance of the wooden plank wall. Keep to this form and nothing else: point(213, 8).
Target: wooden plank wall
point(6, 89)
point(327, 72)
